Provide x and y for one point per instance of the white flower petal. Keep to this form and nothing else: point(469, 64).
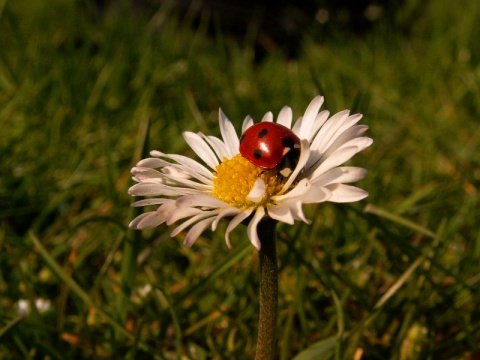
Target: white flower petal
point(316, 194)
point(167, 209)
point(235, 222)
point(218, 146)
point(134, 223)
point(361, 143)
point(152, 189)
point(268, 117)
point(173, 177)
point(306, 193)
point(152, 163)
point(201, 148)
point(298, 212)
point(174, 172)
point(168, 175)
point(352, 120)
point(301, 188)
point(345, 193)
point(178, 182)
point(147, 189)
point(321, 151)
point(150, 221)
point(152, 201)
point(319, 121)
point(229, 211)
point(182, 213)
point(252, 227)
point(150, 180)
point(349, 134)
point(145, 173)
point(191, 221)
point(281, 213)
point(191, 167)
point(202, 200)
point(289, 211)
point(297, 126)
point(309, 118)
point(304, 154)
point(337, 158)
point(345, 174)
point(339, 127)
point(229, 135)
point(257, 192)
point(329, 131)
point(247, 123)
point(196, 231)
point(285, 117)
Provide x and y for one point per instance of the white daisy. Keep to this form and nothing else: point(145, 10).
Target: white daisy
point(227, 185)
point(42, 305)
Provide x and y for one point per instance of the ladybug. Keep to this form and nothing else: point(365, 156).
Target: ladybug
point(269, 145)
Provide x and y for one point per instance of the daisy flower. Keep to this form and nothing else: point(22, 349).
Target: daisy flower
point(225, 185)
point(42, 305)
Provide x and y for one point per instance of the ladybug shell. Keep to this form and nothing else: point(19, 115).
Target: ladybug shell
point(265, 144)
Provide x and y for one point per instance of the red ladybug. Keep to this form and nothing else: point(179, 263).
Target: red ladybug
point(269, 145)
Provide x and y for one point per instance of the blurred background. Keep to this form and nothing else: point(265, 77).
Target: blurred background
point(88, 87)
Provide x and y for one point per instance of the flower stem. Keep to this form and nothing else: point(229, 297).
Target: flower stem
point(267, 323)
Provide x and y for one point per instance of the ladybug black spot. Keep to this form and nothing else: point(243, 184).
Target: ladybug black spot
point(262, 133)
point(257, 154)
point(288, 142)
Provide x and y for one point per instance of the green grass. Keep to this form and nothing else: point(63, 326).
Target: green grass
point(82, 96)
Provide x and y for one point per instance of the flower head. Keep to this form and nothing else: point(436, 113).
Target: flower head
point(42, 305)
point(227, 185)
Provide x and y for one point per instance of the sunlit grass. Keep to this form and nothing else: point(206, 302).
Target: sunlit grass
point(395, 276)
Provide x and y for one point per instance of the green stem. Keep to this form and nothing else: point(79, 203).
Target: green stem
point(267, 324)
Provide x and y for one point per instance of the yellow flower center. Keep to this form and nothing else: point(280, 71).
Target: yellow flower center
point(235, 178)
